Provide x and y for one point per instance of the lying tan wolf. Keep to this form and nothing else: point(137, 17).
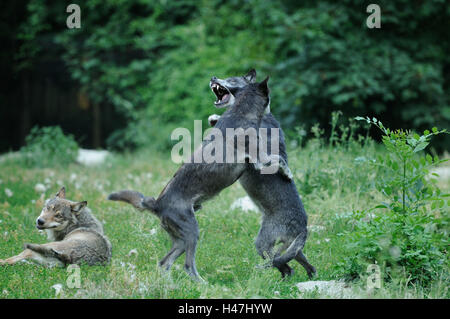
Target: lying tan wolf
point(77, 236)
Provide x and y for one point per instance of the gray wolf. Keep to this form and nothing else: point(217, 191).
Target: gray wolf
point(284, 218)
point(195, 183)
point(77, 236)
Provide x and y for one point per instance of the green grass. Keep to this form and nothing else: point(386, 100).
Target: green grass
point(330, 181)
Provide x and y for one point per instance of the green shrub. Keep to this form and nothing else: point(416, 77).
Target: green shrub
point(48, 146)
point(409, 232)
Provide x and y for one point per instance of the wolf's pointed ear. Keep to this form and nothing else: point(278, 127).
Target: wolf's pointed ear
point(61, 193)
point(264, 86)
point(250, 76)
point(77, 207)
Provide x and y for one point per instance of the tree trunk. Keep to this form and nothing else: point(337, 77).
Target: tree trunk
point(26, 109)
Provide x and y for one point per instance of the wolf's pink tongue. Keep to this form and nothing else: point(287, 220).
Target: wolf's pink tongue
point(225, 97)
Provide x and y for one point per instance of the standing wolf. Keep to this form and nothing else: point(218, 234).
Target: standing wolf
point(195, 183)
point(77, 236)
point(283, 216)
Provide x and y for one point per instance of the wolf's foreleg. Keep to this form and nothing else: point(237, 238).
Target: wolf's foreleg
point(27, 253)
point(49, 251)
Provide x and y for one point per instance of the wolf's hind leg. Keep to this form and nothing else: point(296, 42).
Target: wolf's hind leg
point(311, 271)
point(50, 253)
point(190, 238)
point(292, 251)
point(176, 251)
point(265, 244)
point(183, 229)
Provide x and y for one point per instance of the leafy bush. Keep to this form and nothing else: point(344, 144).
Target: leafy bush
point(320, 55)
point(326, 58)
point(408, 232)
point(48, 146)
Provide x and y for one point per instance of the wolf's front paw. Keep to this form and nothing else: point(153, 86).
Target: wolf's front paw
point(277, 164)
point(212, 119)
point(2, 262)
point(285, 171)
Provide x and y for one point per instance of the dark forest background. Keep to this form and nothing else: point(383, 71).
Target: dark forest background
point(137, 69)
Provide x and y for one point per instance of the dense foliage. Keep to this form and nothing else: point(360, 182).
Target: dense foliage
point(152, 60)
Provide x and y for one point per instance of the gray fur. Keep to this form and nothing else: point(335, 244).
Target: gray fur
point(284, 218)
point(195, 183)
point(77, 234)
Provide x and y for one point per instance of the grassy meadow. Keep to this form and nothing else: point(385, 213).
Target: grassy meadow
point(333, 182)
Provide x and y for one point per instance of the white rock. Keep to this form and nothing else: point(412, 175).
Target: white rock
point(244, 203)
point(443, 172)
point(40, 188)
point(133, 252)
point(91, 157)
point(330, 288)
point(58, 288)
point(8, 192)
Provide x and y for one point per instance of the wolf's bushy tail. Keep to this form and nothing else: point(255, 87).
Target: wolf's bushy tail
point(136, 199)
point(297, 245)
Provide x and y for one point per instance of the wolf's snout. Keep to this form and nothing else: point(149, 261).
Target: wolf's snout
point(40, 222)
point(213, 78)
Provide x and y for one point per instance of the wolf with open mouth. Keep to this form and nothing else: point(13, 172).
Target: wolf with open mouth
point(195, 183)
point(284, 218)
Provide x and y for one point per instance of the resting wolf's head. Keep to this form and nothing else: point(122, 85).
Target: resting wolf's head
point(227, 89)
point(58, 212)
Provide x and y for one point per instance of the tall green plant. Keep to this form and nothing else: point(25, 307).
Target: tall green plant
point(408, 232)
point(406, 184)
